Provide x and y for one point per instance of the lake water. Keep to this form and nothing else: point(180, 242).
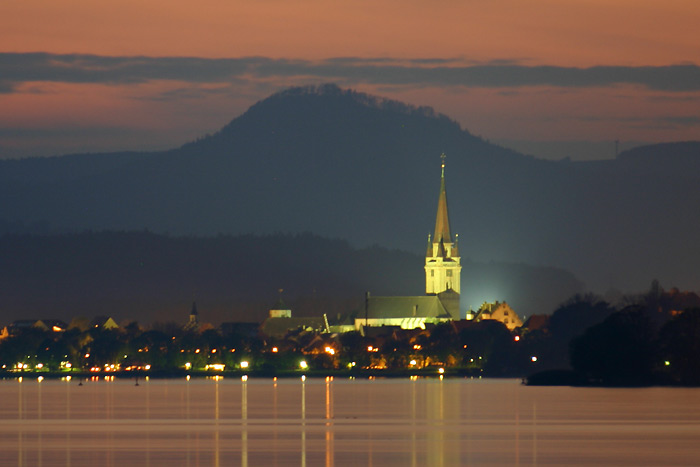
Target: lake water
point(343, 422)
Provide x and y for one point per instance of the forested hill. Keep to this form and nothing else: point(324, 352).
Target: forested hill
point(342, 164)
point(147, 277)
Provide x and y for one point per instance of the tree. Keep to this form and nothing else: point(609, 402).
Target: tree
point(443, 343)
point(619, 351)
point(570, 320)
point(576, 315)
point(679, 344)
point(353, 348)
point(488, 346)
point(22, 347)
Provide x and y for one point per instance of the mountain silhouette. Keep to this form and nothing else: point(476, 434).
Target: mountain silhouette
point(342, 164)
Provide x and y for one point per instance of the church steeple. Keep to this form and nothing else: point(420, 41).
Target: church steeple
point(442, 262)
point(193, 323)
point(442, 221)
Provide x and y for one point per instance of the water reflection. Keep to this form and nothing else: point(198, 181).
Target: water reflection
point(244, 419)
point(417, 421)
point(303, 421)
point(414, 454)
point(67, 415)
point(40, 448)
point(329, 422)
point(217, 454)
point(534, 433)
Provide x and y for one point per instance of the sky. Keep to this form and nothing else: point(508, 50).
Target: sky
point(551, 78)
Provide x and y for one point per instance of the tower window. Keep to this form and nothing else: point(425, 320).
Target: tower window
point(432, 273)
point(449, 273)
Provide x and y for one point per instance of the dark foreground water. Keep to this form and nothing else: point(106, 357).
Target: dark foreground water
point(343, 422)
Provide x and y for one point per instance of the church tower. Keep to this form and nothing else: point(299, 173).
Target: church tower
point(442, 267)
point(193, 323)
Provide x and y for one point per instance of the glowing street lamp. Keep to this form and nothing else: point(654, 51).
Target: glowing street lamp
point(303, 365)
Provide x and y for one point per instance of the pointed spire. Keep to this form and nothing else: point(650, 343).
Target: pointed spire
point(442, 221)
point(193, 322)
point(429, 249)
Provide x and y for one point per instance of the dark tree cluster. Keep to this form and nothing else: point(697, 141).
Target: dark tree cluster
point(629, 348)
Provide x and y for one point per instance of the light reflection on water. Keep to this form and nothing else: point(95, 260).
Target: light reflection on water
point(334, 421)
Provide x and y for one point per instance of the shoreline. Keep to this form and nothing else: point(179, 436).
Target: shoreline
point(174, 374)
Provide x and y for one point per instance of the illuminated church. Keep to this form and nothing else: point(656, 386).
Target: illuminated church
point(442, 282)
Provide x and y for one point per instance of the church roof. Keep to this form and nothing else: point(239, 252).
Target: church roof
point(424, 306)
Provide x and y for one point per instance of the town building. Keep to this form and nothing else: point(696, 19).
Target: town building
point(280, 322)
point(499, 311)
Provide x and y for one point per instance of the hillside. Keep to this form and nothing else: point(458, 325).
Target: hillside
point(346, 165)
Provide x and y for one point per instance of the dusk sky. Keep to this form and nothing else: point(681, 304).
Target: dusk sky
point(548, 77)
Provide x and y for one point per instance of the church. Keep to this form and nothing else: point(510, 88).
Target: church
point(441, 302)
point(442, 282)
